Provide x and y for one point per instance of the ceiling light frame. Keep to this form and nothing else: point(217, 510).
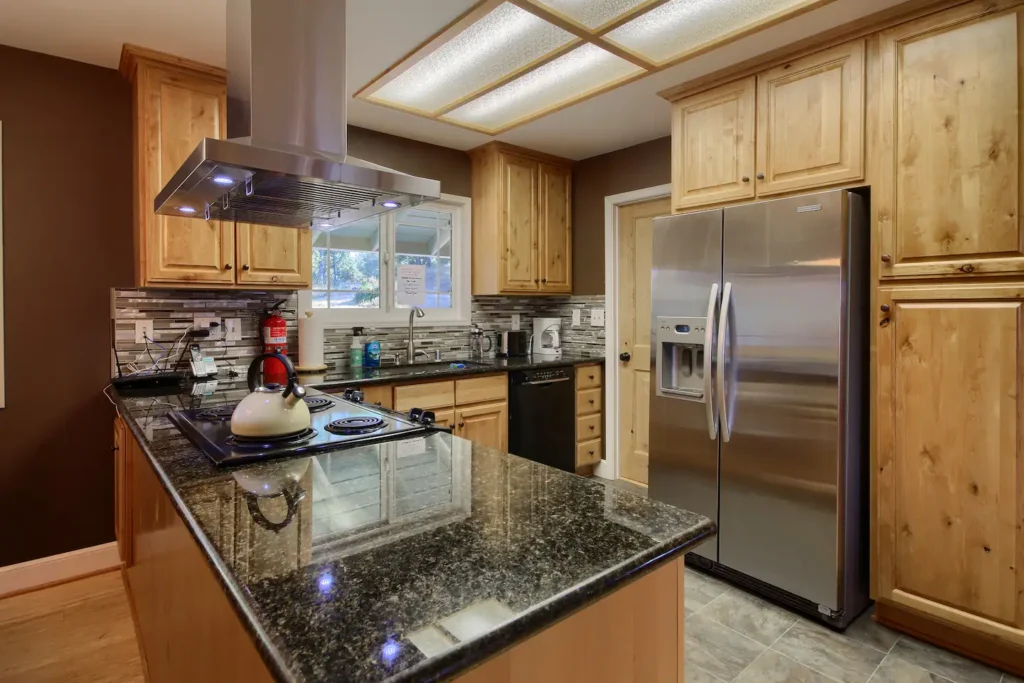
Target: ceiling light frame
point(582, 35)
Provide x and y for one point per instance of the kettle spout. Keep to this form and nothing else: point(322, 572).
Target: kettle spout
point(297, 393)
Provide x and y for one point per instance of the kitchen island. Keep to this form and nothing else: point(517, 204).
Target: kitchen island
point(425, 559)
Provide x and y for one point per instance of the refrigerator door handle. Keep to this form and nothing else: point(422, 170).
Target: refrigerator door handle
point(709, 345)
point(726, 335)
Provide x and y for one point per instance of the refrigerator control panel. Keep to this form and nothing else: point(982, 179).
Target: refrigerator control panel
point(681, 362)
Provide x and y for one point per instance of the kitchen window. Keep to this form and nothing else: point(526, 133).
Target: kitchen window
point(356, 265)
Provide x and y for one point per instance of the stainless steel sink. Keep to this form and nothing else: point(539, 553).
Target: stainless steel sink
point(424, 368)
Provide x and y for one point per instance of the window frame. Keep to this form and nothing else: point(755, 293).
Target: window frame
point(389, 315)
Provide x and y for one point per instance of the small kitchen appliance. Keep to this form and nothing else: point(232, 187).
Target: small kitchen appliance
point(512, 343)
point(476, 342)
point(547, 340)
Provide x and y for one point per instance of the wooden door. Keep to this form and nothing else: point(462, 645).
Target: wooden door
point(635, 223)
point(483, 423)
point(274, 256)
point(950, 472)
point(555, 223)
point(948, 183)
point(518, 225)
point(810, 121)
point(713, 146)
point(175, 112)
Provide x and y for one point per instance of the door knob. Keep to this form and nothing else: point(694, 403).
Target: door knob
point(624, 356)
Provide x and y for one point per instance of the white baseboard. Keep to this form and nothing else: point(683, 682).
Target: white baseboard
point(46, 571)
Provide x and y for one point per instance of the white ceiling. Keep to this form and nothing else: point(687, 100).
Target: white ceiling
point(379, 33)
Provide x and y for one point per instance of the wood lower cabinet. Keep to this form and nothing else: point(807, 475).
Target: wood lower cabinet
point(589, 418)
point(947, 192)
point(274, 256)
point(484, 423)
point(522, 221)
point(122, 490)
point(949, 470)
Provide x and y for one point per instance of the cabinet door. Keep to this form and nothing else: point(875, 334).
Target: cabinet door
point(518, 226)
point(555, 229)
point(484, 423)
point(122, 491)
point(810, 121)
point(713, 146)
point(950, 474)
point(274, 256)
point(948, 182)
point(175, 112)
point(445, 417)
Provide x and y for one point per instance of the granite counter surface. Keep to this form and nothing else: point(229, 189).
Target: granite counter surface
point(403, 561)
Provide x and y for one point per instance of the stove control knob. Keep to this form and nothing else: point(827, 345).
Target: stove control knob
point(428, 417)
point(357, 396)
point(416, 414)
point(347, 394)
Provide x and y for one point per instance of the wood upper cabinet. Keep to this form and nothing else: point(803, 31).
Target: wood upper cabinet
point(713, 146)
point(274, 256)
point(949, 474)
point(522, 221)
point(484, 423)
point(810, 121)
point(948, 188)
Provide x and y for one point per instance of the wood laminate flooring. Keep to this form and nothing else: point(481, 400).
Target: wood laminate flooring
point(76, 632)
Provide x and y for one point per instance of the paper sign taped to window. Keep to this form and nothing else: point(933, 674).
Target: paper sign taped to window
point(412, 285)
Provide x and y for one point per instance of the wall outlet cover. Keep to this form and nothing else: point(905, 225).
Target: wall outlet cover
point(202, 322)
point(143, 329)
point(515, 322)
point(233, 329)
point(575, 317)
point(597, 317)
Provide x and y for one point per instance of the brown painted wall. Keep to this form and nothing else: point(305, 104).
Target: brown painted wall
point(633, 168)
point(67, 240)
point(450, 166)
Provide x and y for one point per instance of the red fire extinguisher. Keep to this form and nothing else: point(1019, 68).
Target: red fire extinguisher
point(274, 330)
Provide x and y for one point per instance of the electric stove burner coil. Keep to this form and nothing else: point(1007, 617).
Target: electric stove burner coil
point(264, 442)
point(219, 413)
point(318, 403)
point(356, 425)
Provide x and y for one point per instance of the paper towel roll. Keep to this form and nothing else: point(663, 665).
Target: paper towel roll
point(311, 343)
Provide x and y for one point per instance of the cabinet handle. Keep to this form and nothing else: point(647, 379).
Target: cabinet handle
point(591, 452)
point(591, 401)
point(591, 427)
point(885, 258)
point(245, 267)
point(590, 376)
point(746, 179)
point(227, 266)
point(544, 279)
point(760, 176)
point(275, 278)
point(461, 425)
point(536, 280)
point(967, 268)
point(885, 308)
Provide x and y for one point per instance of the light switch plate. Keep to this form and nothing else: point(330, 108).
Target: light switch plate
point(575, 317)
point(233, 329)
point(597, 317)
point(143, 329)
point(515, 322)
point(202, 322)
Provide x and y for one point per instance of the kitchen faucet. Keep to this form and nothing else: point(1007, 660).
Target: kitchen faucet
point(410, 352)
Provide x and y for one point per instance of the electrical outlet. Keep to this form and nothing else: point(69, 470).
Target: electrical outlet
point(143, 329)
point(233, 329)
point(202, 322)
point(575, 317)
point(515, 322)
point(597, 317)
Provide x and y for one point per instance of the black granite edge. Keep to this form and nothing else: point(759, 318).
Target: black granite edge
point(487, 369)
point(276, 663)
point(463, 657)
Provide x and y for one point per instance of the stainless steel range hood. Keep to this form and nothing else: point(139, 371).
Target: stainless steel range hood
point(285, 162)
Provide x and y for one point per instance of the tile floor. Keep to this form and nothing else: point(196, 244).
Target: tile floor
point(733, 636)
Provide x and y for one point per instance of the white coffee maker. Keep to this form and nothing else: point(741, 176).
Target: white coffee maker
point(547, 338)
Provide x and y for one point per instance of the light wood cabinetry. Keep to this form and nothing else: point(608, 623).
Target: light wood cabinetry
point(950, 467)
point(379, 393)
point(176, 103)
point(122, 491)
point(427, 395)
point(484, 423)
point(948, 188)
point(808, 115)
point(810, 121)
point(589, 445)
point(522, 221)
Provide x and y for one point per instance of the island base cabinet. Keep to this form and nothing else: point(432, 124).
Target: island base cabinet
point(635, 635)
point(187, 629)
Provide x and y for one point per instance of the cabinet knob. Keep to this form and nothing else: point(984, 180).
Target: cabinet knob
point(227, 266)
point(591, 452)
point(461, 425)
point(885, 258)
point(591, 401)
point(760, 176)
point(544, 279)
point(245, 267)
point(885, 308)
point(590, 376)
point(967, 268)
point(591, 427)
point(746, 179)
point(624, 356)
point(275, 278)
point(536, 280)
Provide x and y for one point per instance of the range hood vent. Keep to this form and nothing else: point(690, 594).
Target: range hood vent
point(285, 162)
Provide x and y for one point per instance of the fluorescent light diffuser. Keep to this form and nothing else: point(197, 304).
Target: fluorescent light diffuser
point(681, 26)
point(501, 42)
point(565, 79)
point(591, 13)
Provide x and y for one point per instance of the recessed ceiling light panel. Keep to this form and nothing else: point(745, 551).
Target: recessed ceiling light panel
point(568, 78)
point(681, 26)
point(500, 43)
point(591, 13)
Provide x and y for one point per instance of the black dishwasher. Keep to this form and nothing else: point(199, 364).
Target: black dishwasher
point(542, 416)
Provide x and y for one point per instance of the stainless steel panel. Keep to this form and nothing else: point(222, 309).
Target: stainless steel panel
point(683, 464)
point(783, 261)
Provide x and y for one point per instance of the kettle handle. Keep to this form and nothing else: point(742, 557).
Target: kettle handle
point(257, 364)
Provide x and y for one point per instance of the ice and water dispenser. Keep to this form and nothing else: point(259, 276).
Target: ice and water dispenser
point(682, 363)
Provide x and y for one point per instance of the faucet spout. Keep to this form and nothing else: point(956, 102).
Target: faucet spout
point(410, 351)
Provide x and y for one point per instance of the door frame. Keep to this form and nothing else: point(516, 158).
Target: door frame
point(609, 467)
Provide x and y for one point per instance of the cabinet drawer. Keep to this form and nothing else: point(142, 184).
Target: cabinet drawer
point(588, 452)
point(477, 389)
point(426, 396)
point(588, 427)
point(588, 401)
point(588, 376)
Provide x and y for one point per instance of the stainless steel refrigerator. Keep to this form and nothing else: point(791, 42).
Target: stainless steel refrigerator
point(758, 415)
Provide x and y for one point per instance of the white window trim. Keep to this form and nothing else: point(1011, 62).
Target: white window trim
point(461, 209)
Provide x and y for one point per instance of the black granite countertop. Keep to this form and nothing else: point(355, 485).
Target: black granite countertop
point(429, 369)
point(404, 561)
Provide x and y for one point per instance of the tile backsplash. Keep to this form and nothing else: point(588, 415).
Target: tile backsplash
point(172, 311)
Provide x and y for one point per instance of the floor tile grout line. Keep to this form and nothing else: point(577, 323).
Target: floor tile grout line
point(808, 666)
point(877, 667)
point(765, 650)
